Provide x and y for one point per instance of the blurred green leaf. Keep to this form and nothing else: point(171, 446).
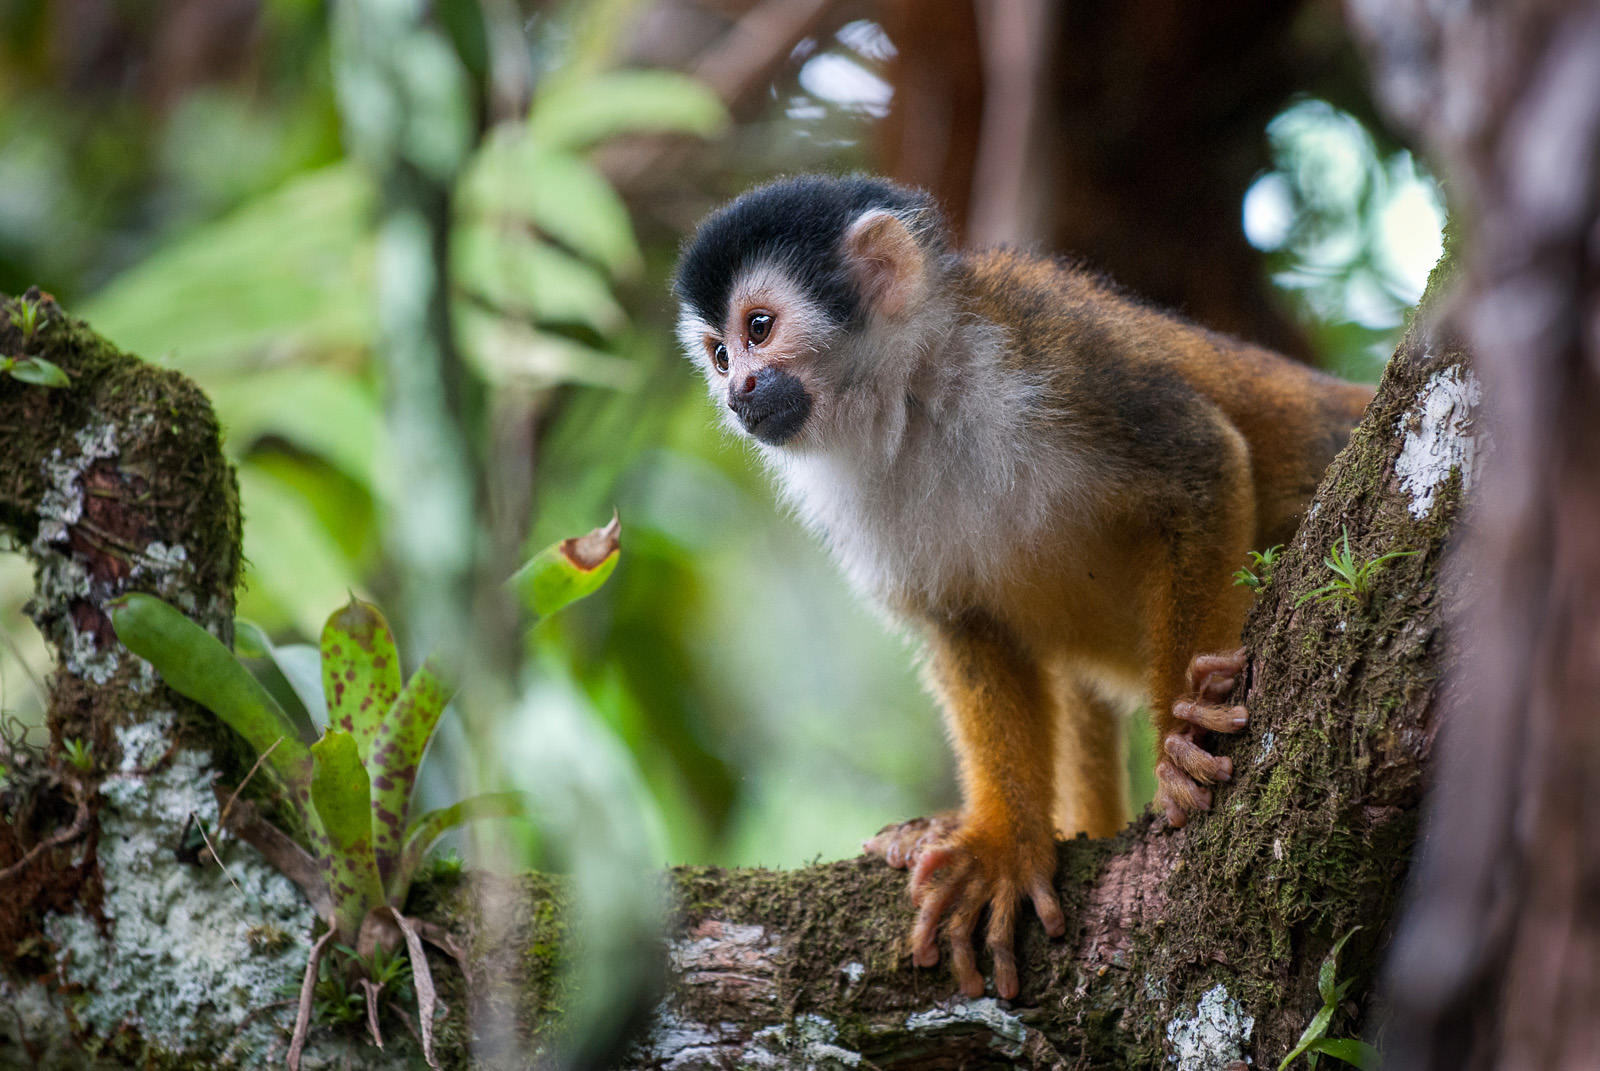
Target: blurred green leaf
point(341, 792)
point(581, 112)
point(565, 572)
point(425, 830)
point(289, 554)
point(519, 274)
point(505, 350)
point(397, 750)
point(195, 664)
point(300, 664)
point(284, 274)
point(360, 671)
point(321, 409)
point(565, 197)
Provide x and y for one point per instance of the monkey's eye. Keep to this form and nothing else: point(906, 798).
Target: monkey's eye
point(759, 327)
point(719, 357)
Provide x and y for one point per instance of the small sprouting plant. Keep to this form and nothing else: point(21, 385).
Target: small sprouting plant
point(1259, 571)
point(26, 315)
point(352, 787)
point(79, 753)
point(1351, 580)
point(25, 318)
point(1314, 1040)
point(35, 370)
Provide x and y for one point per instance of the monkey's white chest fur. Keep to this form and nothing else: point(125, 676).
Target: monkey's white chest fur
point(932, 497)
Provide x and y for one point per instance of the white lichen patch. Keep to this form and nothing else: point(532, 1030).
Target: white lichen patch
point(806, 1044)
point(59, 578)
point(1268, 738)
point(676, 1044)
point(1213, 1037)
point(1439, 439)
point(179, 967)
point(1009, 1031)
point(854, 971)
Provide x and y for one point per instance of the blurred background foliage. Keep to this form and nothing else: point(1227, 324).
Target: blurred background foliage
point(173, 172)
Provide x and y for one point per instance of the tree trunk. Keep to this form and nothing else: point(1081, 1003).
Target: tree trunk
point(1496, 962)
point(1201, 944)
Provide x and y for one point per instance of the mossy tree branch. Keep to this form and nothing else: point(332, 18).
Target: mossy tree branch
point(117, 473)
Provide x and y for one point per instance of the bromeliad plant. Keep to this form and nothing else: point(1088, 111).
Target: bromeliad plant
point(351, 788)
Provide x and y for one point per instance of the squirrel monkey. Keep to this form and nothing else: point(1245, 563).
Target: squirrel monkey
point(1050, 480)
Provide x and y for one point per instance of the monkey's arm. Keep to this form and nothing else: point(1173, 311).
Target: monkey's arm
point(1003, 845)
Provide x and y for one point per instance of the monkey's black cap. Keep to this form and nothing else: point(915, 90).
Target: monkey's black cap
point(797, 224)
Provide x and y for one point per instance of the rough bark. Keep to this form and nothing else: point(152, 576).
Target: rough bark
point(1201, 944)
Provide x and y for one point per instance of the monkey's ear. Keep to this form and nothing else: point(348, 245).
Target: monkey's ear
point(888, 262)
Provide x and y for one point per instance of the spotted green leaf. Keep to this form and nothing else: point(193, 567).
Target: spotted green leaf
point(360, 671)
point(565, 572)
point(340, 790)
point(401, 738)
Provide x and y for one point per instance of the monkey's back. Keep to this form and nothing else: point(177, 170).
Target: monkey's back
point(1132, 374)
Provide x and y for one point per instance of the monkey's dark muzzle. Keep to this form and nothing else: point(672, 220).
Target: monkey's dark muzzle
point(772, 405)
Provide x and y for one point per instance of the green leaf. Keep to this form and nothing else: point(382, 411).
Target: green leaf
point(515, 272)
point(1329, 970)
point(292, 558)
point(286, 272)
point(397, 750)
point(505, 350)
point(360, 671)
point(300, 664)
point(1351, 1051)
point(325, 411)
point(1317, 1028)
point(567, 571)
point(39, 372)
point(341, 792)
point(195, 664)
point(425, 830)
point(563, 195)
point(580, 112)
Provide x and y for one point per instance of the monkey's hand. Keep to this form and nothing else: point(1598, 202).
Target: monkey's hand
point(958, 869)
point(1186, 768)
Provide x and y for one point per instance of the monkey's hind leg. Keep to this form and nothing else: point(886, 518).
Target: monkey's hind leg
point(1091, 766)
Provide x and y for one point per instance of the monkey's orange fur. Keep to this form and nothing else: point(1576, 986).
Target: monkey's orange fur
point(1053, 481)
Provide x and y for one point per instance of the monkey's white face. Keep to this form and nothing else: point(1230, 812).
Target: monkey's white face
point(765, 363)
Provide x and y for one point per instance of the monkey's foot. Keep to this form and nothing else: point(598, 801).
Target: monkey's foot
point(958, 876)
point(901, 843)
point(1186, 767)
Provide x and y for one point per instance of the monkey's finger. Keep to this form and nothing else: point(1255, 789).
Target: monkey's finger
point(1217, 719)
point(963, 960)
point(1213, 675)
point(925, 933)
point(1001, 939)
point(1180, 788)
point(929, 863)
point(1048, 908)
point(1196, 761)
